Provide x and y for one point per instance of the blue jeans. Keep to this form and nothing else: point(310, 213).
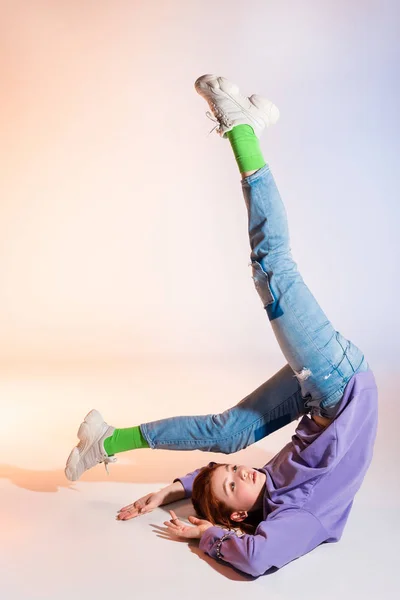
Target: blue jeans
point(320, 360)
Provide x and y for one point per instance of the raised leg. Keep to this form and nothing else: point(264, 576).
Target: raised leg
point(322, 359)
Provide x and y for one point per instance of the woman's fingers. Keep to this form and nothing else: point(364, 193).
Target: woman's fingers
point(129, 506)
point(175, 526)
point(179, 530)
point(172, 523)
point(175, 521)
point(124, 515)
point(139, 504)
point(137, 508)
point(130, 513)
point(125, 508)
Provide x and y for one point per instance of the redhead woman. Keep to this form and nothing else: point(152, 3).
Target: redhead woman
point(261, 518)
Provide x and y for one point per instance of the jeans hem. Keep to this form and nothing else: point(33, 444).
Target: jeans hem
point(257, 174)
point(146, 436)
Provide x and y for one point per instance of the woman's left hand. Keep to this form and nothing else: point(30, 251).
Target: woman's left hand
point(178, 528)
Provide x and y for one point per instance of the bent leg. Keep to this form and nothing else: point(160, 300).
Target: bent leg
point(322, 359)
point(271, 406)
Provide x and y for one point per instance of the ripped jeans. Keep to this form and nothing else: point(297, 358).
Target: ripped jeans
point(320, 360)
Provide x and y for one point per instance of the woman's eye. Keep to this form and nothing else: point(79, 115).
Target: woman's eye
point(232, 484)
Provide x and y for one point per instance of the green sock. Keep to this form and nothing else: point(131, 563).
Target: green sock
point(246, 147)
point(122, 440)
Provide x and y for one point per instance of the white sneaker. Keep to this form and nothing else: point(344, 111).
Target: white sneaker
point(90, 450)
point(230, 108)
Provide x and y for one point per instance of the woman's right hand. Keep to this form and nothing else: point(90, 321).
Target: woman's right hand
point(141, 506)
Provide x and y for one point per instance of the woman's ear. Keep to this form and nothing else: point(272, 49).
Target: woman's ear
point(238, 516)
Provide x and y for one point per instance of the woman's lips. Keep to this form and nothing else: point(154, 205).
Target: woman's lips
point(254, 476)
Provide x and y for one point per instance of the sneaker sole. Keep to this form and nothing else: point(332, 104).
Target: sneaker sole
point(89, 433)
point(72, 462)
point(204, 82)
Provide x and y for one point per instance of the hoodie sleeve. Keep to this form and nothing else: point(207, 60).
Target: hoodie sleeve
point(277, 541)
point(187, 480)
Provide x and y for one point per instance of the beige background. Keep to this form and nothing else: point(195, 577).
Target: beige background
point(124, 272)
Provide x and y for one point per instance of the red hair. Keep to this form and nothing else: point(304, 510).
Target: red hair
point(209, 507)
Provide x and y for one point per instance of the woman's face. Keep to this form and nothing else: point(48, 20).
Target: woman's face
point(241, 488)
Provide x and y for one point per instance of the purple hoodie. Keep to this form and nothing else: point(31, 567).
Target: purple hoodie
point(310, 486)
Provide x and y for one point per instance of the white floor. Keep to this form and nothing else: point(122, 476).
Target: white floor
point(60, 540)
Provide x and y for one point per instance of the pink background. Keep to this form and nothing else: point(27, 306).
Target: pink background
point(124, 257)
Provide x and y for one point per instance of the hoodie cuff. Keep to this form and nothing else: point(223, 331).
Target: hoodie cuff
point(212, 539)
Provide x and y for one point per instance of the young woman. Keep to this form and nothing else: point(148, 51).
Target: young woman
point(303, 496)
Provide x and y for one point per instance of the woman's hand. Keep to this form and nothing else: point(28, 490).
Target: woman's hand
point(178, 528)
point(141, 506)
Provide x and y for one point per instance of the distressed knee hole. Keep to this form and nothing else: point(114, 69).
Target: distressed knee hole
point(304, 374)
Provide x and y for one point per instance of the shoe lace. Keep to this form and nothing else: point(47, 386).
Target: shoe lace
point(208, 114)
point(109, 459)
point(221, 118)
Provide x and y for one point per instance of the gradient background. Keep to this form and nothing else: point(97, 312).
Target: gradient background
point(124, 256)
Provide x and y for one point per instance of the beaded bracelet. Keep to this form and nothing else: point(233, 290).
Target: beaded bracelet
point(225, 537)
